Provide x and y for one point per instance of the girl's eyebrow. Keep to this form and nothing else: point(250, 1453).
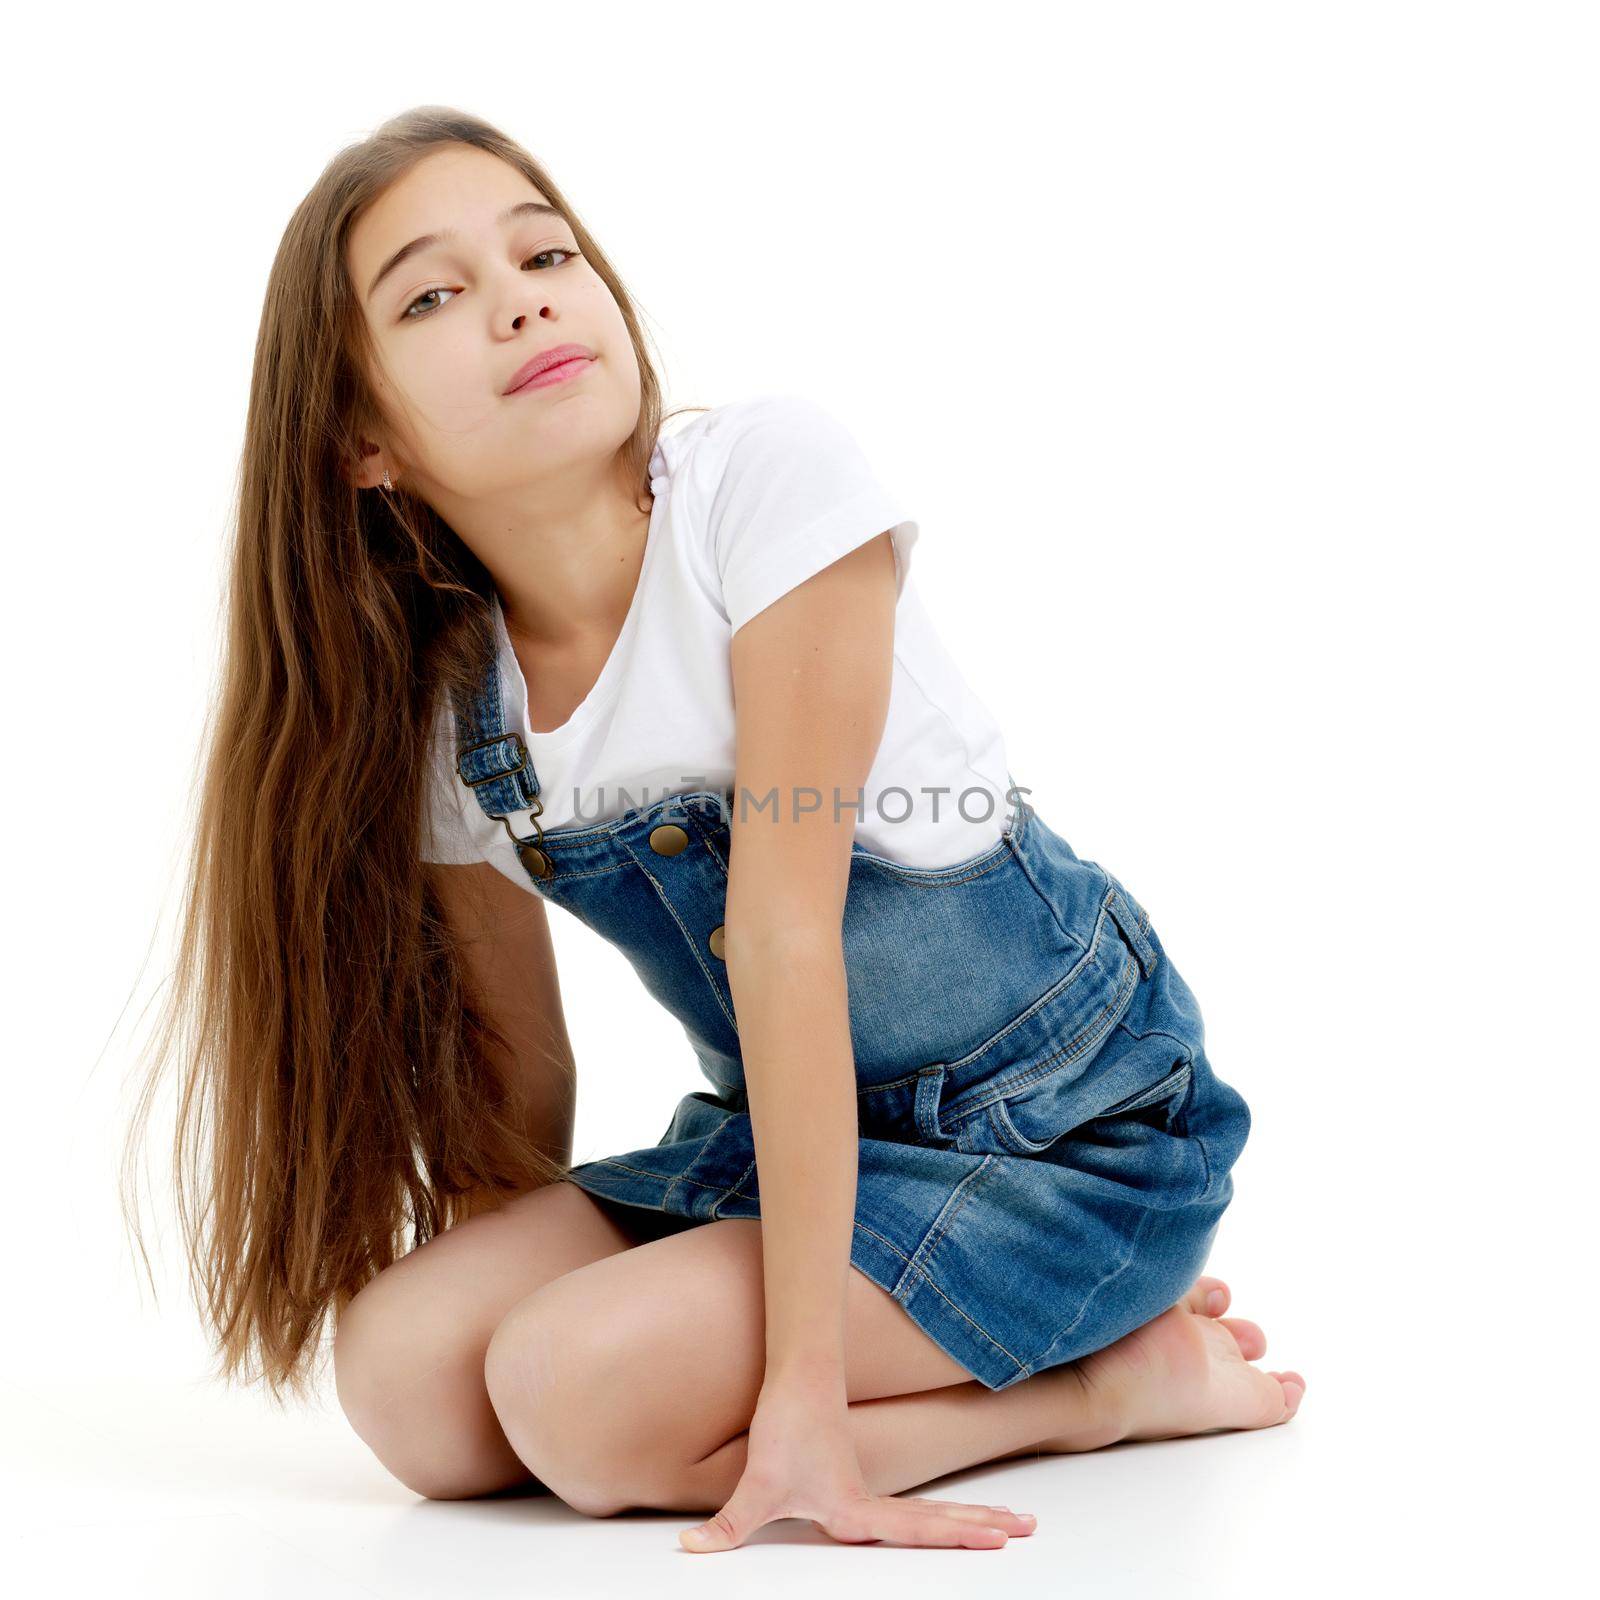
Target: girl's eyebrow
point(524, 208)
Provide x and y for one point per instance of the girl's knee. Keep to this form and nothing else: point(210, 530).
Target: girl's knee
point(563, 1391)
point(417, 1399)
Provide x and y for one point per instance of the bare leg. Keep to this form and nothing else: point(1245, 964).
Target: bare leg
point(650, 1410)
point(1168, 1378)
point(408, 1353)
point(910, 1439)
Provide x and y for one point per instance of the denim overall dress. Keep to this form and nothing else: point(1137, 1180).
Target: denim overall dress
point(1045, 1151)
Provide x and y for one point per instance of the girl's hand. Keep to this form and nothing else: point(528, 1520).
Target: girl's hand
point(800, 1461)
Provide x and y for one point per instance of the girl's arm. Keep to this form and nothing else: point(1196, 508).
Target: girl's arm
point(505, 936)
point(812, 675)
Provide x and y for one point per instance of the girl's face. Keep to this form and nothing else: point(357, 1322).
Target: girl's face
point(452, 321)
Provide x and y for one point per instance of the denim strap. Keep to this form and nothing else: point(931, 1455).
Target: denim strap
point(491, 759)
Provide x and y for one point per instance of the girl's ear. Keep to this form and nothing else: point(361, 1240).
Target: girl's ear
point(368, 473)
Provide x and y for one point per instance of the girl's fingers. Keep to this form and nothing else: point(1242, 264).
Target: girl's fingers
point(997, 1516)
point(920, 1526)
point(915, 1520)
point(947, 1524)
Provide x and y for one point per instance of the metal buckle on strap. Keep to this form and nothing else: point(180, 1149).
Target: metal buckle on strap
point(514, 738)
point(531, 852)
point(536, 860)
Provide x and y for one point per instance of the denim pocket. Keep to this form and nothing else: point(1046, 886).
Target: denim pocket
point(974, 866)
point(1160, 1101)
point(1135, 1126)
point(1038, 1077)
point(1026, 1125)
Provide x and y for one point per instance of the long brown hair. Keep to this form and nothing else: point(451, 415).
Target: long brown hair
point(336, 1086)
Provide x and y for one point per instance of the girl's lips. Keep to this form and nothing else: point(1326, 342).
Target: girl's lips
point(556, 374)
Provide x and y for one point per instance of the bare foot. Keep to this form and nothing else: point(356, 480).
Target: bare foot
point(1187, 1371)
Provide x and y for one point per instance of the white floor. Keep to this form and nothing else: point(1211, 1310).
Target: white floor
point(137, 1488)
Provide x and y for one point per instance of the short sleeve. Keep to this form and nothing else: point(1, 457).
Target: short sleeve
point(794, 493)
point(445, 835)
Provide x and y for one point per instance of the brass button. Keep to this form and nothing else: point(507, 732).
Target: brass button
point(535, 862)
point(668, 839)
point(715, 941)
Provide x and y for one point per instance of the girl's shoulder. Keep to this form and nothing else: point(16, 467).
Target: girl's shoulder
point(772, 487)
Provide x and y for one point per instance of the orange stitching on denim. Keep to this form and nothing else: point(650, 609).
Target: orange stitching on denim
point(952, 1207)
point(640, 1172)
point(1049, 997)
point(930, 877)
point(737, 1191)
point(1022, 1366)
point(692, 942)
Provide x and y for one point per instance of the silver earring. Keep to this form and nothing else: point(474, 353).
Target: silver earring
point(386, 483)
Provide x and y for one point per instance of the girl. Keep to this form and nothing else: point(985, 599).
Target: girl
point(963, 1154)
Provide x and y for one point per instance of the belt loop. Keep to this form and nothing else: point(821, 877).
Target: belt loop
point(925, 1106)
point(1130, 916)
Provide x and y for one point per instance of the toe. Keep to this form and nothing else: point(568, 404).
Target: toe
point(1273, 1400)
point(1293, 1393)
point(1208, 1297)
point(1247, 1335)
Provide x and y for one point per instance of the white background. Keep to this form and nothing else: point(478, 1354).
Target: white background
point(1239, 362)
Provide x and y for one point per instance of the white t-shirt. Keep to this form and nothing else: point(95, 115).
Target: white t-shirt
point(751, 498)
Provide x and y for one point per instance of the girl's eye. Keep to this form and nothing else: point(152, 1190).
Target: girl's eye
point(412, 315)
